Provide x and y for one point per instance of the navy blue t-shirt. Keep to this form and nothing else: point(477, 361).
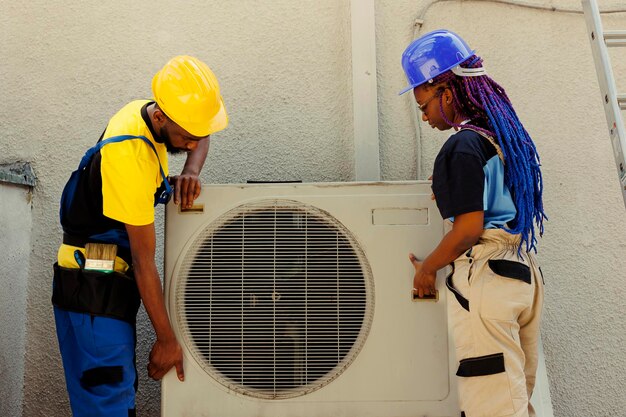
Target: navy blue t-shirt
point(469, 176)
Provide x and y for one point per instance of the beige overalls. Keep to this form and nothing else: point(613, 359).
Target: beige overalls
point(495, 323)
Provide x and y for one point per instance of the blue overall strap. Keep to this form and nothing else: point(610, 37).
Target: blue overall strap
point(93, 150)
point(165, 196)
point(119, 237)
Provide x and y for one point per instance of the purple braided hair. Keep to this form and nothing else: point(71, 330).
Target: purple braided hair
point(486, 103)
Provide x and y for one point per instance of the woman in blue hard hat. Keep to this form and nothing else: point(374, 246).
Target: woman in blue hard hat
point(487, 181)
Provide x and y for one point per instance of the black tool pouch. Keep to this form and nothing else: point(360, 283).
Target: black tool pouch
point(101, 294)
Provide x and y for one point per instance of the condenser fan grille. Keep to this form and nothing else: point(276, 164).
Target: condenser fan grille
point(276, 298)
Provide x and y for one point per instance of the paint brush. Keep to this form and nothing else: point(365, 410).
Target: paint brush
point(100, 257)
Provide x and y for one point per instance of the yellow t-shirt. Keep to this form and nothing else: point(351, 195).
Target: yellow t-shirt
point(130, 169)
point(119, 184)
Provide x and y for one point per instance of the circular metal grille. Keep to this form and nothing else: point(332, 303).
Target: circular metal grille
point(275, 299)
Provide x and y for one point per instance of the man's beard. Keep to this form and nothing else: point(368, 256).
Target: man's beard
point(168, 143)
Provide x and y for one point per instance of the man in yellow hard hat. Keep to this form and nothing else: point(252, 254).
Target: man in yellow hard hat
point(106, 266)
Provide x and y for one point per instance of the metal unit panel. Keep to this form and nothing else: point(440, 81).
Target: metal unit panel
point(398, 359)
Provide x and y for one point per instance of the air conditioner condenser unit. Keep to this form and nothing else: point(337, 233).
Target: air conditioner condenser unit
point(294, 300)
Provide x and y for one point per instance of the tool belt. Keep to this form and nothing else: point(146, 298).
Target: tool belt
point(101, 294)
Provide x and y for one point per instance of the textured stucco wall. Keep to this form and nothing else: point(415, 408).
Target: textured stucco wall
point(15, 232)
point(285, 72)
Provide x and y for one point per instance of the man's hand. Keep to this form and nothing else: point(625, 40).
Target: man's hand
point(186, 189)
point(164, 356)
point(187, 185)
point(166, 351)
point(423, 281)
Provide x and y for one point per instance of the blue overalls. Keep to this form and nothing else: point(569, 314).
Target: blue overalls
point(97, 338)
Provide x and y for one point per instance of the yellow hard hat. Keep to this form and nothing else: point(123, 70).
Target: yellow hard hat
point(188, 92)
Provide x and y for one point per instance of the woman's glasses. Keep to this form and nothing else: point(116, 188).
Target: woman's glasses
point(422, 107)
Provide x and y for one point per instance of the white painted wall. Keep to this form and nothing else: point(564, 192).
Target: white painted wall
point(285, 70)
point(15, 232)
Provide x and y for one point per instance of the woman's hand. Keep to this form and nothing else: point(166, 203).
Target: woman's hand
point(423, 281)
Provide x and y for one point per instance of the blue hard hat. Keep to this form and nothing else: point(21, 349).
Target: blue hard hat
point(431, 55)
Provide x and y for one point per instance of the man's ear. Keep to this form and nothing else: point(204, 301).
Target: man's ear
point(159, 117)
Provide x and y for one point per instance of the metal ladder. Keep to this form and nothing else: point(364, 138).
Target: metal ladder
point(613, 102)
